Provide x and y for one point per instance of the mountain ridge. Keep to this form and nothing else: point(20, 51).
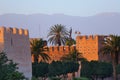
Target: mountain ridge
point(39, 24)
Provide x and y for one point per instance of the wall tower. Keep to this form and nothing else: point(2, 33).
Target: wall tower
point(89, 46)
point(15, 43)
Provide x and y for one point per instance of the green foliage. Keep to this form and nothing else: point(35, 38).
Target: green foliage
point(38, 50)
point(34, 78)
point(56, 68)
point(70, 42)
point(111, 45)
point(72, 56)
point(118, 69)
point(95, 69)
point(58, 34)
point(81, 78)
point(40, 69)
point(55, 78)
point(8, 69)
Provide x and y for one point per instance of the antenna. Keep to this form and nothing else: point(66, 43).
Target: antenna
point(39, 30)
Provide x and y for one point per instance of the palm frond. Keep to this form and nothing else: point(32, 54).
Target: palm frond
point(57, 34)
point(38, 49)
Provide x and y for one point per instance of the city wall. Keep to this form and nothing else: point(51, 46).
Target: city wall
point(89, 46)
point(56, 52)
point(15, 43)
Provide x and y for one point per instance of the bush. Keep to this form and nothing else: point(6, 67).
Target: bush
point(55, 78)
point(34, 78)
point(8, 69)
point(81, 78)
point(95, 69)
point(118, 69)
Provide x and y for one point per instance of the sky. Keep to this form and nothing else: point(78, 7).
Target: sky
point(68, 7)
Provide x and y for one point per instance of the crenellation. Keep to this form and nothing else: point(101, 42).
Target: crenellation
point(21, 31)
point(26, 32)
point(56, 52)
point(96, 36)
point(9, 30)
point(61, 48)
point(51, 48)
point(56, 48)
point(90, 37)
point(2, 28)
point(66, 48)
point(15, 31)
point(17, 48)
point(84, 37)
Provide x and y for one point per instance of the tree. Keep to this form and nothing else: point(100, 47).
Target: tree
point(70, 42)
point(58, 68)
point(111, 45)
point(58, 34)
point(95, 70)
point(118, 69)
point(72, 56)
point(8, 69)
point(40, 70)
point(38, 50)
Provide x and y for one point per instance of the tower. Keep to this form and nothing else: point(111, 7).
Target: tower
point(89, 46)
point(15, 43)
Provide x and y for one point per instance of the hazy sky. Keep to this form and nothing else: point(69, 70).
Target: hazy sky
point(69, 7)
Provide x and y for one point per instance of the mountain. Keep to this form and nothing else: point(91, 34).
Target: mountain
point(39, 24)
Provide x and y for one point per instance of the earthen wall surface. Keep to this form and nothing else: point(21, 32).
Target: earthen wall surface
point(89, 46)
point(56, 52)
point(15, 43)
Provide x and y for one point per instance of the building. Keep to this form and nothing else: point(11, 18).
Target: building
point(15, 43)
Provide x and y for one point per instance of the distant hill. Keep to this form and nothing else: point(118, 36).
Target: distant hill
point(38, 24)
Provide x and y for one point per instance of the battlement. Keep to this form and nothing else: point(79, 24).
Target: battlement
point(14, 31)
point(60, 48)
point(90, 37)
point(87, 37)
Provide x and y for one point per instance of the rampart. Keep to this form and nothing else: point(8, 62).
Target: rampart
point(56, 52)
point(85, 37)
point(14, 30)
point(15, 43)
point(89, 46)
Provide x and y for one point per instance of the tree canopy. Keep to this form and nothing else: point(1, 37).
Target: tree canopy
point(56, 68)
point(95, 69)
point(38, 50)
point(58, 34)
point(111, 45)
point(8, 69)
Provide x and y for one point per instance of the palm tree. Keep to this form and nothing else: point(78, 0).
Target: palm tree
point(111, 45)
point(58, 34)
point(38, 50)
